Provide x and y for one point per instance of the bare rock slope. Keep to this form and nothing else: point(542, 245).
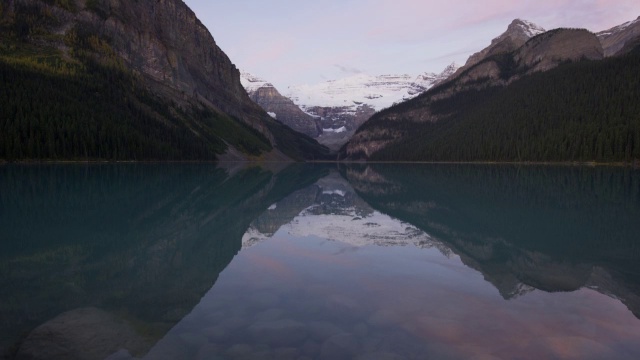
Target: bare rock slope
point(280, 107)
point(620, 39)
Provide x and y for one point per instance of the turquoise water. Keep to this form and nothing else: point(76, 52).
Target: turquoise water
point(319, 262)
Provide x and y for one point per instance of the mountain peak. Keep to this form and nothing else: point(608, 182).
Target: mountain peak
point(520, 31)
point(517, 34)
point(252, 83)
point(450, 69)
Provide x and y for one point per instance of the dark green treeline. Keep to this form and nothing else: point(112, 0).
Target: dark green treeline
point(583, 111)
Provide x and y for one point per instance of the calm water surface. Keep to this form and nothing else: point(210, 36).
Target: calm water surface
point(126, 262)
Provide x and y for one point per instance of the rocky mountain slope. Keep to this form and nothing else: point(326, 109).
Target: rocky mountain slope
point(509, 58)
point(335, 109)
point(620, 39)
point(280, 107)
point(517, 34)
point(161, 44)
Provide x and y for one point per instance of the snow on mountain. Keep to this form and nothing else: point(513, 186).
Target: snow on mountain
point(620, 39)
point(617, 29)
point(252, 83)
point(279, 107)
point(529, 28)
point(378, 92)
point(332, 111)
point(516, 35)
point(375, 229)
point(336, 213)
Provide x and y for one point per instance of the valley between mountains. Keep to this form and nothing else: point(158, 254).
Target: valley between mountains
point(114, 80)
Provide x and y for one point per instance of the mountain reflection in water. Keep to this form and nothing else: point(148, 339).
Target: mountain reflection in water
point(368, 262)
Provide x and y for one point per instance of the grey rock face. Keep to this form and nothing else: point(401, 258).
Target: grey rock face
point(517, 34)
point(549, 50)
point(83, 334)
point(620, 39)
point(164, 42)
point(286, 111)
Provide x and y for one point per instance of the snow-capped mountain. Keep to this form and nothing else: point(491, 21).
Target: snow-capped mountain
point(528, 28)
point(343, 105)
point(517, 34)
point(331, 111)
point(251, 83)
point(279, 107)
point(620, 39)
point(378, 92)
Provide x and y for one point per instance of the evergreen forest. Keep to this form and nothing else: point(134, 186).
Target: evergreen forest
point(586, 111)
point(71, 97)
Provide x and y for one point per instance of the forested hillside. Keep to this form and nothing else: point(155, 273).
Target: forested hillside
point(582, 111)
point(55, 110)
point(70, 90)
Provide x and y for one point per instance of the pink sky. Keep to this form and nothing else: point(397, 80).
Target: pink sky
point(295, 42)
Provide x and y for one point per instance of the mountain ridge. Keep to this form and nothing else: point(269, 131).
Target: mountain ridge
point(620, 39)
point(164, 49)
point(498, 67)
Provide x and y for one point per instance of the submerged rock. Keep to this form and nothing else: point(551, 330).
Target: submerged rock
point(83, 334)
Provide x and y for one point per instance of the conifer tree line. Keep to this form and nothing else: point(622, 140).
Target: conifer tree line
point(87, 105)
point(583, 111)
point(101, 114)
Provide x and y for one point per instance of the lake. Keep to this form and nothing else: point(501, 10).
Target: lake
point(330, 261)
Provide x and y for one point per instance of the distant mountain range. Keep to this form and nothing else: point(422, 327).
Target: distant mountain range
point(531, 95)
point(145, 80)
point(335, 109)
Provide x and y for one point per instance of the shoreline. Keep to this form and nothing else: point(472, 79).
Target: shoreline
point(634, 164)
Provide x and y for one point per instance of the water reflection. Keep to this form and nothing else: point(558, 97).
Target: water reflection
point(325, 274)
point(95, 252)
point(548, 228)
point(335, 262)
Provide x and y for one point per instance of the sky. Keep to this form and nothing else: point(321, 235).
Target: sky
point(289, 42)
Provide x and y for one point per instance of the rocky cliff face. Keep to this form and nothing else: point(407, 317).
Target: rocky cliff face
point(548, 50)
point(620, 39)
point(517, 34)
point(340, 123)
point(541, 53)
point(164, 41)
point(280, 107)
